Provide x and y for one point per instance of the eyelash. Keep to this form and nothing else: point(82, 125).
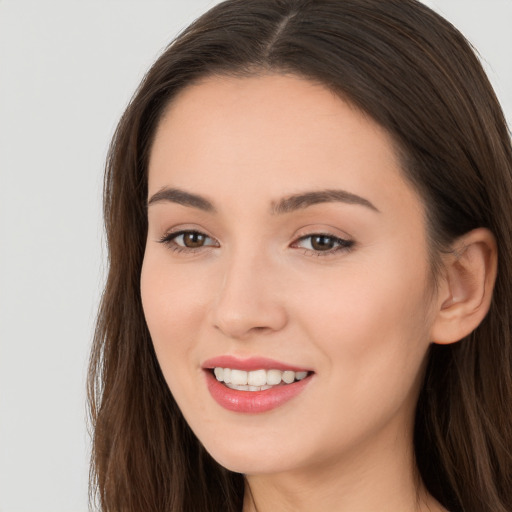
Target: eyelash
point(342, 245)
point(169, 241)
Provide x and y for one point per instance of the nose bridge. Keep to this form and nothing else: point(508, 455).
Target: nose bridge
point(248, 299)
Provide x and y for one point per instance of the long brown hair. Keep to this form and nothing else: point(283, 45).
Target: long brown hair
point(414, 74)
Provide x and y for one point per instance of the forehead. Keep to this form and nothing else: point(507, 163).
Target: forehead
point(272, 135)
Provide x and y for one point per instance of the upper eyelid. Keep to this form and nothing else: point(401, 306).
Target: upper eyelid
point(172, 235)
point(175, 233)
point(338, 239)
point(328, 231)
point(324, 233)
point(179, 230)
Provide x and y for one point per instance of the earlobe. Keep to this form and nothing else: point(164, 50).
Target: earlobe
point(465, 292)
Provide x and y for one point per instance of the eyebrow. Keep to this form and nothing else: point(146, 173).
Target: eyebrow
point(175, 195)
point(306, 199)
point(286, 205)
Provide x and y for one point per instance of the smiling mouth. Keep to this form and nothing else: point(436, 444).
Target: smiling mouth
point(257, 380)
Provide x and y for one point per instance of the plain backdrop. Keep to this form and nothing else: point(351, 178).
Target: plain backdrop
point(67, 70)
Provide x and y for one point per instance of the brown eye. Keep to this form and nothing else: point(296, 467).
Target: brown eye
point(193, 239)
point(322, 242)
point(188, 240)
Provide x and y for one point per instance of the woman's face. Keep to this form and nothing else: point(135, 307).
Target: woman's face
point(283, 238)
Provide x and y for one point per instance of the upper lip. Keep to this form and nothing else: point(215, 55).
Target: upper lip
point(250, 364)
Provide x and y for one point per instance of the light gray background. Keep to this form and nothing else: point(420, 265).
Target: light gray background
point(67, 70)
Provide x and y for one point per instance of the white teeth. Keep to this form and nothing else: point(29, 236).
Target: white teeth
point(248, 388)
point(238, 377)
point(288, 376)
point(240, 388)
point(274, 377)
point(257, 380)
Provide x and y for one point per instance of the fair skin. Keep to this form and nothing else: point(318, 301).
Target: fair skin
point(355, 306)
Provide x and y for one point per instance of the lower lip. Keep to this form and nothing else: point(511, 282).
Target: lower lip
point(253, 401)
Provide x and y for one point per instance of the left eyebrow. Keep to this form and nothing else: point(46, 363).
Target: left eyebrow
point(306, 199)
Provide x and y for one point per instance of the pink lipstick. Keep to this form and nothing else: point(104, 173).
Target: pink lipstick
point(253, 385)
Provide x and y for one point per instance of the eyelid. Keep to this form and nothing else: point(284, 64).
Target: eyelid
point(322, 229)
point(169, 237)
point(344, 242)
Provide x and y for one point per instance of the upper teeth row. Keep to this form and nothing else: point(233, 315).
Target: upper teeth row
point(257, 377)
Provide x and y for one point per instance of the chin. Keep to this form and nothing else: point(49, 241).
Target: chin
point(250, 463)
point(253, 454)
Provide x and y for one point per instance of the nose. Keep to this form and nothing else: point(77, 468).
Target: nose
point(250, 299)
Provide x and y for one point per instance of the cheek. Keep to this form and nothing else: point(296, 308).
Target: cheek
point(366, 298)
point(373, 327)
point(171, 301)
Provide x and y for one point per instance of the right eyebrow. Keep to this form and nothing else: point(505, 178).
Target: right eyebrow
point(177, 196)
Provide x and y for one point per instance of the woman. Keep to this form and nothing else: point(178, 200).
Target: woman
point(305, 310)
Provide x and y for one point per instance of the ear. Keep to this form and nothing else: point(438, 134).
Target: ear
point(465, 290)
